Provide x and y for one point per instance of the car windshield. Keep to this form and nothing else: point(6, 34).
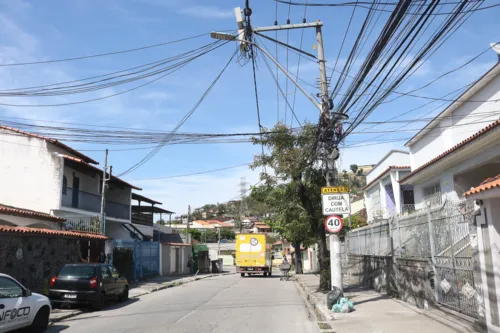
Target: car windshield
point(77, 271)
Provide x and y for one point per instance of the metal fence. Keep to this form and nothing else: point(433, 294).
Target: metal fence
point(146, 257)
point(439, 233)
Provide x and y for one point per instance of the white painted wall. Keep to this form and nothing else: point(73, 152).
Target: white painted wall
point(474, 115)
point(357, 206)
point(28, 222)
point(30, 174)
point(394, 158)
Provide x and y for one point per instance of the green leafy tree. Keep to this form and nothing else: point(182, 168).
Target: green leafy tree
point(290, 219)
point(221, 209)
point(161, 222)
point(354, 168)
point(292, 156)
point(195, 234)
point(227, 234)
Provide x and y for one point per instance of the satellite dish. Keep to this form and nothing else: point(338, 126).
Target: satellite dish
point(496, 48)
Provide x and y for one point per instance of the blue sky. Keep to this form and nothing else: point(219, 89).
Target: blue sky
point(45, 30)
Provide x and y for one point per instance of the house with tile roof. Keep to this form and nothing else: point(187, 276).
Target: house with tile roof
point(44, 175)
point(485, 239)
point(383, 194)
point(459, 148)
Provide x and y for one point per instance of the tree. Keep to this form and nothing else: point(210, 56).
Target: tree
point(292, 156)
point(161, 222)
point(221, 209)
point(360, 172)
point(227, 234)
point(354, 168)
point(289, 219)
point(195, 234)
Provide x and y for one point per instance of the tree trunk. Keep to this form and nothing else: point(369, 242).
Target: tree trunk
point(324, 260)
point(298, 259)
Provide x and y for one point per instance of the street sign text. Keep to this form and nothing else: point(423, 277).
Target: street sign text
point(333, 224)
point(335, 204)
point(334, 189)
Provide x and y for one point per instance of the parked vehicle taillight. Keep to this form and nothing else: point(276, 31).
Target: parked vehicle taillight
point(53, 280)
point(93, 282)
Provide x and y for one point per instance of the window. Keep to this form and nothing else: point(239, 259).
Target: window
point(115, 272)
point(431, 190)
point(106, 272)
point(65, 185)
point(9, 288)
point(77, 271)
point(432, 195)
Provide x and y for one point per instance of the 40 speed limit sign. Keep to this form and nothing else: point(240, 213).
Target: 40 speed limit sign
point(333, 224)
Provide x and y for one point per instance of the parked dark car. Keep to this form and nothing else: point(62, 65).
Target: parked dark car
point(87, 284)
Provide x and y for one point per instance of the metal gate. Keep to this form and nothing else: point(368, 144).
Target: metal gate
point(146, 257)
point(453, 256)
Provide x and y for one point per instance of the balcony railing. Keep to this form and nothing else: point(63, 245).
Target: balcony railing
point(92, 203)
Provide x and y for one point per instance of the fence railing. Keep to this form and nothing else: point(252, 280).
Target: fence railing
point(84, 223)
point(437, 233)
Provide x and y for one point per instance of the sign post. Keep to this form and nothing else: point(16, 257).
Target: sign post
point(333, 225)
point(335, 200)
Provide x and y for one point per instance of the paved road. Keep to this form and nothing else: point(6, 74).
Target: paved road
point(220, 304)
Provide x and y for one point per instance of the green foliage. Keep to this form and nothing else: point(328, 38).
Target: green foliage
point(161, 222)
point(356, 222)
point(294, 191)
point(227, 234)
point(354, 168)
point(195, 234)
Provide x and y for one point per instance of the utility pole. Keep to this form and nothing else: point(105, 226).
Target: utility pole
point(327, 147)
point(187, 227)
point(243, 203)
point(105, 179)
point(218, 234)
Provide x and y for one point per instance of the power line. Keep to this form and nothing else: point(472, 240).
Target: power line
point(298, 62)
point(365, 5)
point(122, 92)
point(104, 54)
point(195, 173)
point(279, 88)
point(183, 120)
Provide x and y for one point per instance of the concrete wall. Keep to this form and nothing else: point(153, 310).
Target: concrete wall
point(29, 222)
point(115, 230)
point(30, 173)
point(407, 279)
point(33, 260)
point(474, 115)
point(168, 259)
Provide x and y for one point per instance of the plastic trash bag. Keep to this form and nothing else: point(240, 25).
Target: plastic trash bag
point(333, 297)
point(343, 305)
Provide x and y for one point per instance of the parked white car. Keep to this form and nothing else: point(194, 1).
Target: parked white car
point(20, 308)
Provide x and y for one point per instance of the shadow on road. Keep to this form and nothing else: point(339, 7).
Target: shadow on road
point(56, 328)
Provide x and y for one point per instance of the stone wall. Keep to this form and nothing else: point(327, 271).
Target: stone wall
point(33, 260)
point(411, 280)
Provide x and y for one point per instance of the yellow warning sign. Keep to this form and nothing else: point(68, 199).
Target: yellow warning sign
point(335, 189)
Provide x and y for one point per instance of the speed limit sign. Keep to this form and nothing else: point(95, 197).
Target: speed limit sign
point(334, 224)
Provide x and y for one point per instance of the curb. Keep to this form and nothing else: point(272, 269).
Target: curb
point(165, 286)
point(323, 311)
point(69, 315)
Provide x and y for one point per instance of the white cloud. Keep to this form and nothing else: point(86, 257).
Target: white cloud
point(206, 12)
point(157, 96)
point(197, 190)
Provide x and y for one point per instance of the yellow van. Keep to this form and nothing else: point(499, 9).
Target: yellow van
point(253, 255)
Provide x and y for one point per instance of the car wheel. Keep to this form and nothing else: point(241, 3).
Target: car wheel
point(41, 321)
point(99, 302)
point(124, 296)
point(242, 274)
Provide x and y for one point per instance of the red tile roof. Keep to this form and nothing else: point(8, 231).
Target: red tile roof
point(383, 173)
point(486, 185)
point(78, 160)
point(454, 148)
point(262, 227)
point(48, 232)
point(52, 141)
point(9, 210)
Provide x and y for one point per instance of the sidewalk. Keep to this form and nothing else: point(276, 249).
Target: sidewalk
point(144, 287)
point(375, 312)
